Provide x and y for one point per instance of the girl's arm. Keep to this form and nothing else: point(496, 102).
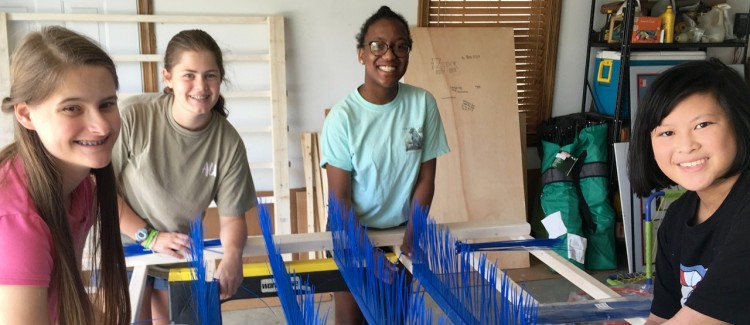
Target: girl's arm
point(130, 222)
point(169, 243)
point(233, 235)
point(688, 316)
point(23, 305)
point(425, 187)
point(654, 320)
point(340, 185)
point(422, 198)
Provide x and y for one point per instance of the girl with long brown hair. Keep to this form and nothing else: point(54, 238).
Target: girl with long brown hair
point(57, 183)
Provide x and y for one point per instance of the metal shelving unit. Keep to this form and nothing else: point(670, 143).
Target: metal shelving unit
point(630, 221)
point(625, 48)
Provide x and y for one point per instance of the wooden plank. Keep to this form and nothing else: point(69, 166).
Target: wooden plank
point(137, 18)
point(578, 277)
point(522, 127)
point(160, 58)
point(321, 185)
point(150, 72)
point(474, 84)
point(323, 179)
point(307, 159)
point(317, 184)
point(136, 289)
point(282, 209)
point(321, 241)
point(4, 57)
point(303, 220)
point(230, 94)
point(307, 164)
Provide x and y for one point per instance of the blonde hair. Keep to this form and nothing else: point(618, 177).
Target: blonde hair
point(37, 68)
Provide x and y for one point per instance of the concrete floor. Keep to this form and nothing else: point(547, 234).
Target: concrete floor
point(267, 315)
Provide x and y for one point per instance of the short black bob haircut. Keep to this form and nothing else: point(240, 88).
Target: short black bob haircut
point(670, 88)
point(383, 13)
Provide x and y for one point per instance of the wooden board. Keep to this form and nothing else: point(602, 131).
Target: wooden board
point(471, 73)
point(321, 241)
point(321, 185)
point(307, 161)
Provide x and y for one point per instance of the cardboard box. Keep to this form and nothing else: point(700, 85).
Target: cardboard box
point(646, 30)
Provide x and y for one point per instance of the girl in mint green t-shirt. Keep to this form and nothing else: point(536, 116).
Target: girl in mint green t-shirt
point(380, 143)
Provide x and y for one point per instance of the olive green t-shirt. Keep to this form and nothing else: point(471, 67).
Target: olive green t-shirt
point(169, 175)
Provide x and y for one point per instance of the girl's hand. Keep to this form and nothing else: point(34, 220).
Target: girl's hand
point(172, 244)
point(229, 274)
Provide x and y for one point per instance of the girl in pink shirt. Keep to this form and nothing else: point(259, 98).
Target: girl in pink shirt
point(56, 182)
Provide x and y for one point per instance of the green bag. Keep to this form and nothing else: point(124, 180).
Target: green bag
point(575, 182)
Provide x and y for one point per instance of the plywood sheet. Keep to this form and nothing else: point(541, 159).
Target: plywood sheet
point(471, 72)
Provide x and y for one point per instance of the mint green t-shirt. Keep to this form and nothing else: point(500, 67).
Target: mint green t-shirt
point(383, 146)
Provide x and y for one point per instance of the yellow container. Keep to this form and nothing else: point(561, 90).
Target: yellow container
point(667, 24)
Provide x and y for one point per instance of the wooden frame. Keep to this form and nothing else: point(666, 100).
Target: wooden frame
point(473, 230)
point(276, 59)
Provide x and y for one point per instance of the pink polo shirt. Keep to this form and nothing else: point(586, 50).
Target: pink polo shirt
point(25, 240)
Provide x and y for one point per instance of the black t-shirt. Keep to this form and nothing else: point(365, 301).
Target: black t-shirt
point(706, 267)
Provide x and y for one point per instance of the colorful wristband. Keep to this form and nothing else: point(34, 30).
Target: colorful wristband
point(151, 239)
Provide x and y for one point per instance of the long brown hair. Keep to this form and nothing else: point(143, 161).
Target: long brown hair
point(37, 68)
point(195, 40)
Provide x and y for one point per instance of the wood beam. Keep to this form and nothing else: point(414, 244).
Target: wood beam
point(148, 46)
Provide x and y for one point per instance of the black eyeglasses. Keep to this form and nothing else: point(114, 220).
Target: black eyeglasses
point(400, 50)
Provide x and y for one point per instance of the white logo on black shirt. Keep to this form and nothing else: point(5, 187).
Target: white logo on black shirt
point(209, 169)
point(689, 278)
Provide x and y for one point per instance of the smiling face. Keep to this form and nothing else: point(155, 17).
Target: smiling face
point(78, 122)
point(196, 82)
point(695, 144)
point(382, 72)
